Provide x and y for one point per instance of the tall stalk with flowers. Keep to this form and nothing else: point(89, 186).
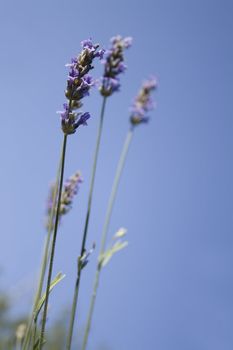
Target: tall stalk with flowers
point(141, 106)
point(78, 86)
point(113, 66)
point(61, 197)
point(70, 189)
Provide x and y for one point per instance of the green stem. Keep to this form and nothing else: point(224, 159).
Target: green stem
point(77, 282)
point(18, 344)
point(34, 334)
point(53, 244)
point(44, 261)
point(48, 238)
point(111, 201)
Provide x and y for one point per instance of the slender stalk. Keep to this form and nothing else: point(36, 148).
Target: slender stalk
point(91, 307)
point(48, 238)
point(34, 334)
point(44, 260)
point(111, 201)
point(53, 244)
point(77, 282)
point(18, 344)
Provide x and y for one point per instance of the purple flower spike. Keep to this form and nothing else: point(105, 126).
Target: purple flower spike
point(78, 86)
point(70, 189)
point(114, 65)
point(143, 103)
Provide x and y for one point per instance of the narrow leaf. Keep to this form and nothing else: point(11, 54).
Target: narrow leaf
point(111, 251)
point(40, 304)
point(120, 233)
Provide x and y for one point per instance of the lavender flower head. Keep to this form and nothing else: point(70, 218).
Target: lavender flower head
point(143, 103)
point(70, 189)
point(78, 86)
point(114, 65)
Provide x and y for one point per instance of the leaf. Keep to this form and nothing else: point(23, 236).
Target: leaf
point(37, 343)
point(120, 233)
point(108, 254)
point(40, 304)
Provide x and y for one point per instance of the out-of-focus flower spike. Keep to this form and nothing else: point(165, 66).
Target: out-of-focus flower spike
point(114, 65)
point(143, 102)
point(70, 189)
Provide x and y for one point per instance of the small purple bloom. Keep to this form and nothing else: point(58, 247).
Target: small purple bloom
point(121, 67)
point(87, 44)
point(82, 119)
point(65, 113)
point(100, 54)
point(128, 42)
point(71, 121)
point(110, 85)
point(114, 65)
point(143, 103)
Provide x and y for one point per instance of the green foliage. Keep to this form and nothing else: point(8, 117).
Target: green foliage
point(12, 330)
point(54, 282)
point(114, 248)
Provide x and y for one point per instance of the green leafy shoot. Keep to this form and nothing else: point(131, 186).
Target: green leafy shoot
point(120, 233)
point(40, 304)
point(115, 247)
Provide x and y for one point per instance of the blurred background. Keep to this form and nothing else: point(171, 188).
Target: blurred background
point(172, 287)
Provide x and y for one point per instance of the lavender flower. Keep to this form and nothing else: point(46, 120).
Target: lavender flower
point(114, 65)
point(78, 86)
point(143, 103)
point(70, 189)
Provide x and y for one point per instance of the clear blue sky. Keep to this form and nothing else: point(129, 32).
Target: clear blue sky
point(172, 287)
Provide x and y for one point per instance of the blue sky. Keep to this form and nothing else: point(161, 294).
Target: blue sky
point(172, 287)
